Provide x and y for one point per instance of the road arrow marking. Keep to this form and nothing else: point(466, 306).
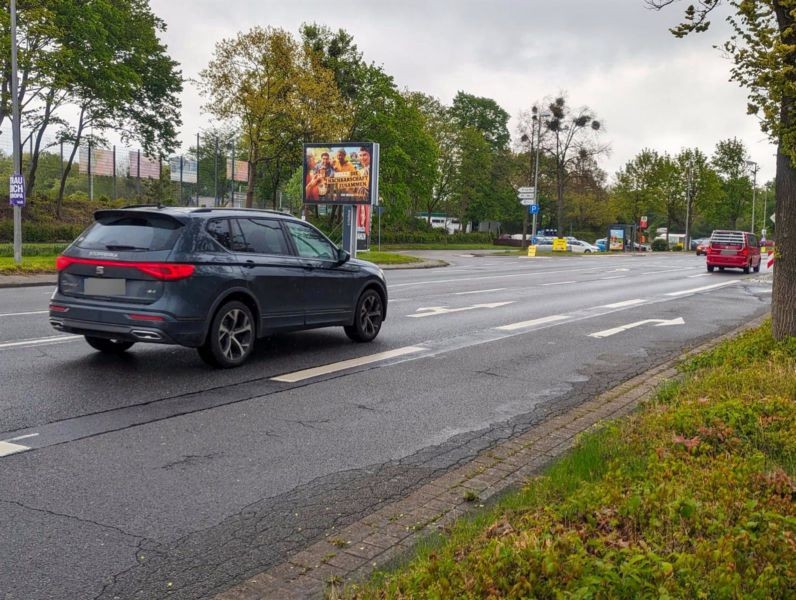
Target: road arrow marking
point(658, 323)
point(7, 448)
point(430, 311)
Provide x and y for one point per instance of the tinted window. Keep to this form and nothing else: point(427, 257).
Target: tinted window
point(218, 229)
point(131, 233)
point(310, 243)
point(262, 236)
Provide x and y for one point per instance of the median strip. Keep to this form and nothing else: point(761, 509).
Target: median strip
point(346, 364)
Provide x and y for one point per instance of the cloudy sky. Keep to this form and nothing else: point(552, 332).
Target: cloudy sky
point(616, 56)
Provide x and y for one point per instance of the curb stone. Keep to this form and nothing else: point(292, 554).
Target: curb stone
point(390, 532)
point(18, 281)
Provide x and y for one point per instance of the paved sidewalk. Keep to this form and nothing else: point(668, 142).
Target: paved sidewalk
point(353, 552)
point(15, 281)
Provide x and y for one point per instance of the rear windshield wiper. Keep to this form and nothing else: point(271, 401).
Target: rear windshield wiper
point(122, 247)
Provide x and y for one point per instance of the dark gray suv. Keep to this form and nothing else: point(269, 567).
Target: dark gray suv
point(211, 279)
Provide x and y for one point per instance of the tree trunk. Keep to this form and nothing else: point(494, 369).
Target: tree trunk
point(783, 301)
point(249, 183)
point(69, 162)
point(34, 159)
point(560, 201)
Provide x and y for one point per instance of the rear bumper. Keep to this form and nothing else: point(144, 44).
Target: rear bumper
point(115, 323)
point(739, 262)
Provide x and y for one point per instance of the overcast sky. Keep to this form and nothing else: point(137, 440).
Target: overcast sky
point(617, 57)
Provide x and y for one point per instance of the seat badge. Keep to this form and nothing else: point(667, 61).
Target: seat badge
point(100, 270)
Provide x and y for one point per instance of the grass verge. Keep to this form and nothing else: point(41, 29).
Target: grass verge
point(690, 497)
point(30, 265)
point(394, 247)
point(33, 263)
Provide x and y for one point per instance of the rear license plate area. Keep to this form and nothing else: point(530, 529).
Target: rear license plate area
point(94, 286)
point(729, 252)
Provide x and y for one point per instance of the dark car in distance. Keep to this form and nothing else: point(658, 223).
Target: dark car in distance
point(211, 279)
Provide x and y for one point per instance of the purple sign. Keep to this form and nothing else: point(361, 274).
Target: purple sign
point(16, 190)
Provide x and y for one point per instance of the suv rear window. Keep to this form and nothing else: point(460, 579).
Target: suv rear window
point(132, 233)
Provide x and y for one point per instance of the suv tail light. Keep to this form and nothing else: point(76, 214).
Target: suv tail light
point(159, 270)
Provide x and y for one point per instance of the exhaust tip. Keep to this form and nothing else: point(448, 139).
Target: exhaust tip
point(147, 335)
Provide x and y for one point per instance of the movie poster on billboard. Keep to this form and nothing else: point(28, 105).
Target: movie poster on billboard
point(363, 226)
point(338, 173)
point(617, 239)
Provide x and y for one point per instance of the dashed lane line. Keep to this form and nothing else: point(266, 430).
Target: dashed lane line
point(704, 288)
point(532, 323)
point(54, 339)
point(22, 314)
point(346, 364)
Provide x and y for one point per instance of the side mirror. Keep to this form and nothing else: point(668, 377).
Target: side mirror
point(342, 256)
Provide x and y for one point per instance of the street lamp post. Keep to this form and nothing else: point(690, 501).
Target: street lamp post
point(755, 168)
point(15, 132)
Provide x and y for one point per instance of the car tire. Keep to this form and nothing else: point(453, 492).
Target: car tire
point(368, 317)
point(231, 337)
point(757, 268)
point(587, 252)
point(747, 268)
point(721, 269)
point(108, 346)
point(710, 268)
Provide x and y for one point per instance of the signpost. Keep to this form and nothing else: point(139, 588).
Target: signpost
point(534, 209)
point(15, 135)
point(527, 197)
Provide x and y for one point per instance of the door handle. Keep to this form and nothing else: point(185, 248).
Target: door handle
point(249, 264)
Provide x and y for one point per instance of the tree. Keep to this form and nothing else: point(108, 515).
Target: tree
point(278, 92)
point(638, 190)
point(763, 50)
point(701, 186)
point(572, 137)
point(483, 115)
point(729, 160)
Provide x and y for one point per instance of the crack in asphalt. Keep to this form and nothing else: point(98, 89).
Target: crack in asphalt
point(53, 513)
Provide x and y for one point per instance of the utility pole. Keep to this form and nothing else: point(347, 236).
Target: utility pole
point(755, 167)
point(15, 133)
point(687, 241)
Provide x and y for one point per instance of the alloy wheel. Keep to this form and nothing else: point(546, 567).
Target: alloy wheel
point(234, 334)
point(370, 315)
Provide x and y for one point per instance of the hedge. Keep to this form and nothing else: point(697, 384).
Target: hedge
point(41, 232)
point(434, 237)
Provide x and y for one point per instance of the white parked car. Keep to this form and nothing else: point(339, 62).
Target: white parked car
point(581, 247)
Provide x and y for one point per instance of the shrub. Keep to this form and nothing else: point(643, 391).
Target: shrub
point(659, 245)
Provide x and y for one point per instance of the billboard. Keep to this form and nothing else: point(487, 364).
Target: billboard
point(616, 240)
point(149, 167)
point(339, 173)
point(185, 171)
point(241, 170)
point(101, 161)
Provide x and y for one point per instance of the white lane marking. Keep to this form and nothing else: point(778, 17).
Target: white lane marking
point(518, 274)
point(55, 339)
point(7, 448)
point(625, 303)
point(20, 314)
point(557, 283)
point(704, 288)
point(346, 364)
point(667, 271)
point(532, 322)
point(658, 323)
point(614, 277)
point(430, 311)
point(22, 437)
point(479, 291)
point(698, 275)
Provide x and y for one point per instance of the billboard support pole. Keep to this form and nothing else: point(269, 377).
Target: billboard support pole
point(350, 230)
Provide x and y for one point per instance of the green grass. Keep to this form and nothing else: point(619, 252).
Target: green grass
point(690, 497)
point(33, 249)
point(30, 265)
point(394, 247)
point(387, 258)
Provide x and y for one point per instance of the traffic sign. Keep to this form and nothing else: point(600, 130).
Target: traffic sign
point(16, 190)
point(534, 209)
point(526, 195)
point(525, 190)
point(527, 201)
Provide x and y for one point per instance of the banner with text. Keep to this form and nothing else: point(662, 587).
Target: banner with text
point(339, 173)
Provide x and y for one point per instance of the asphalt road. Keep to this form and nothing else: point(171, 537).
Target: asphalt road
point(152, 475)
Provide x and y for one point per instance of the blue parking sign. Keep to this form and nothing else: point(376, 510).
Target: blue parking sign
point(16, 190)
point(534, 209)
